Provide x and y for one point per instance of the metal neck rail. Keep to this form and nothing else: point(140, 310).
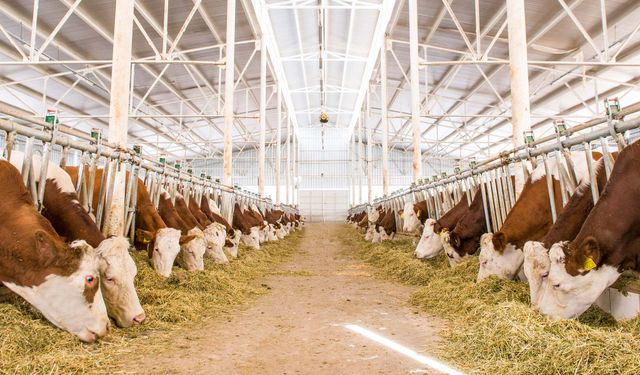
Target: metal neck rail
point(493, 177)
point(157, 176)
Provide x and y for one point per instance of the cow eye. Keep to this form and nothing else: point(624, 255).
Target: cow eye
point(111, 279)
point(90, 280)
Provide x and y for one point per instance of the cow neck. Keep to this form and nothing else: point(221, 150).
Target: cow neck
point(615, 219)
point(569, 222)
point(20, 262)
point(470, 227)
point(169, 215)
point(530, 218)
point(204, 206)
point(450, 219)
point(68, 217)
point(147, 217)
point(240, 220)
point(197, 213)
point(185, 213)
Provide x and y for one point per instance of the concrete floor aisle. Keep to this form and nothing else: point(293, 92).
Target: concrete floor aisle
point(300, 327)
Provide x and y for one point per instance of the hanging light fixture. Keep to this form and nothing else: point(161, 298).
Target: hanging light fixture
point(324, 118)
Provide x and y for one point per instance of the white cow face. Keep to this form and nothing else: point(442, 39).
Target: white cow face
point(271, 234)
point(375, 237)
point(505, 265)
point(383, 234)
point(252, 239)
point(216, 235)
point(368, 236)
point(536, 268)
point(430, 244)
point(563, 296)
point(165, 250)
point(235, 241)
point(411, 223)
point(192, 252)
point(281, 232)
point(73, 303)
point(263, 234)
point(117, 274)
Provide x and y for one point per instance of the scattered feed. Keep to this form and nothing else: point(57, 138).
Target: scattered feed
point(31, 345)
point(491, 328)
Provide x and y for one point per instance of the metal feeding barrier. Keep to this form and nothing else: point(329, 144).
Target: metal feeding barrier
point(494, 178)
point(31, 135)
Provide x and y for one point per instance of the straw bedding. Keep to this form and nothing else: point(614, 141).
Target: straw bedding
point(490, 327)
point(29, 344)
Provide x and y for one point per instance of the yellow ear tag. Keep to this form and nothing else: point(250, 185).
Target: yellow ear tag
point(402, 215)
point(589, 264)
point(442, 232)
point(146, 241)
point(418, 214)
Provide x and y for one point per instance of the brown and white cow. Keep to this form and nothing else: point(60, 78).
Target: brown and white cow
point(529, 219)
point(191, 256)
point(414, 216)
point(462, 241)
point(247, 225)
point(386, 227)
point(61, 281)
point(608, 244)
point(233, 236)
point(430, 244)
point(566, 228)
point(373, 216)
point(266, 232)
point(363, 224)
point(117, 269)
point(214, 234)
point(274, 217)
point(152, 234)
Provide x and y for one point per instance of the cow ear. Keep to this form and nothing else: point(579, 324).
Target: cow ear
point(589, 253)
point(144, 236)
point(436, 227)
point(454, 239)
point(185, 239)
point(499, 241)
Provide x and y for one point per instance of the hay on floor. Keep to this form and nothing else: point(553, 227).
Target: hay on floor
point(492, 330)
point(29, 344)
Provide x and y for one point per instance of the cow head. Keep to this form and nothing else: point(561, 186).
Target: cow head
point(215, 235)
point(536, 268)
point(271, 234)
point(252, 239)
point(281, 232)
point(233, 240)
point(564, 296)
point(117, 274)
point(451, 243)
point(72, 302)
point(384, 235)
point(499, 257)
point(411, 222)
point(192, 252)
point(376, 238)
point(166, 247)
point(265, 232)
point(430, 243)
point(370, 232)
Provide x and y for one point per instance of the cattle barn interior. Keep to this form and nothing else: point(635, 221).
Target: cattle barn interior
point(320, 186)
